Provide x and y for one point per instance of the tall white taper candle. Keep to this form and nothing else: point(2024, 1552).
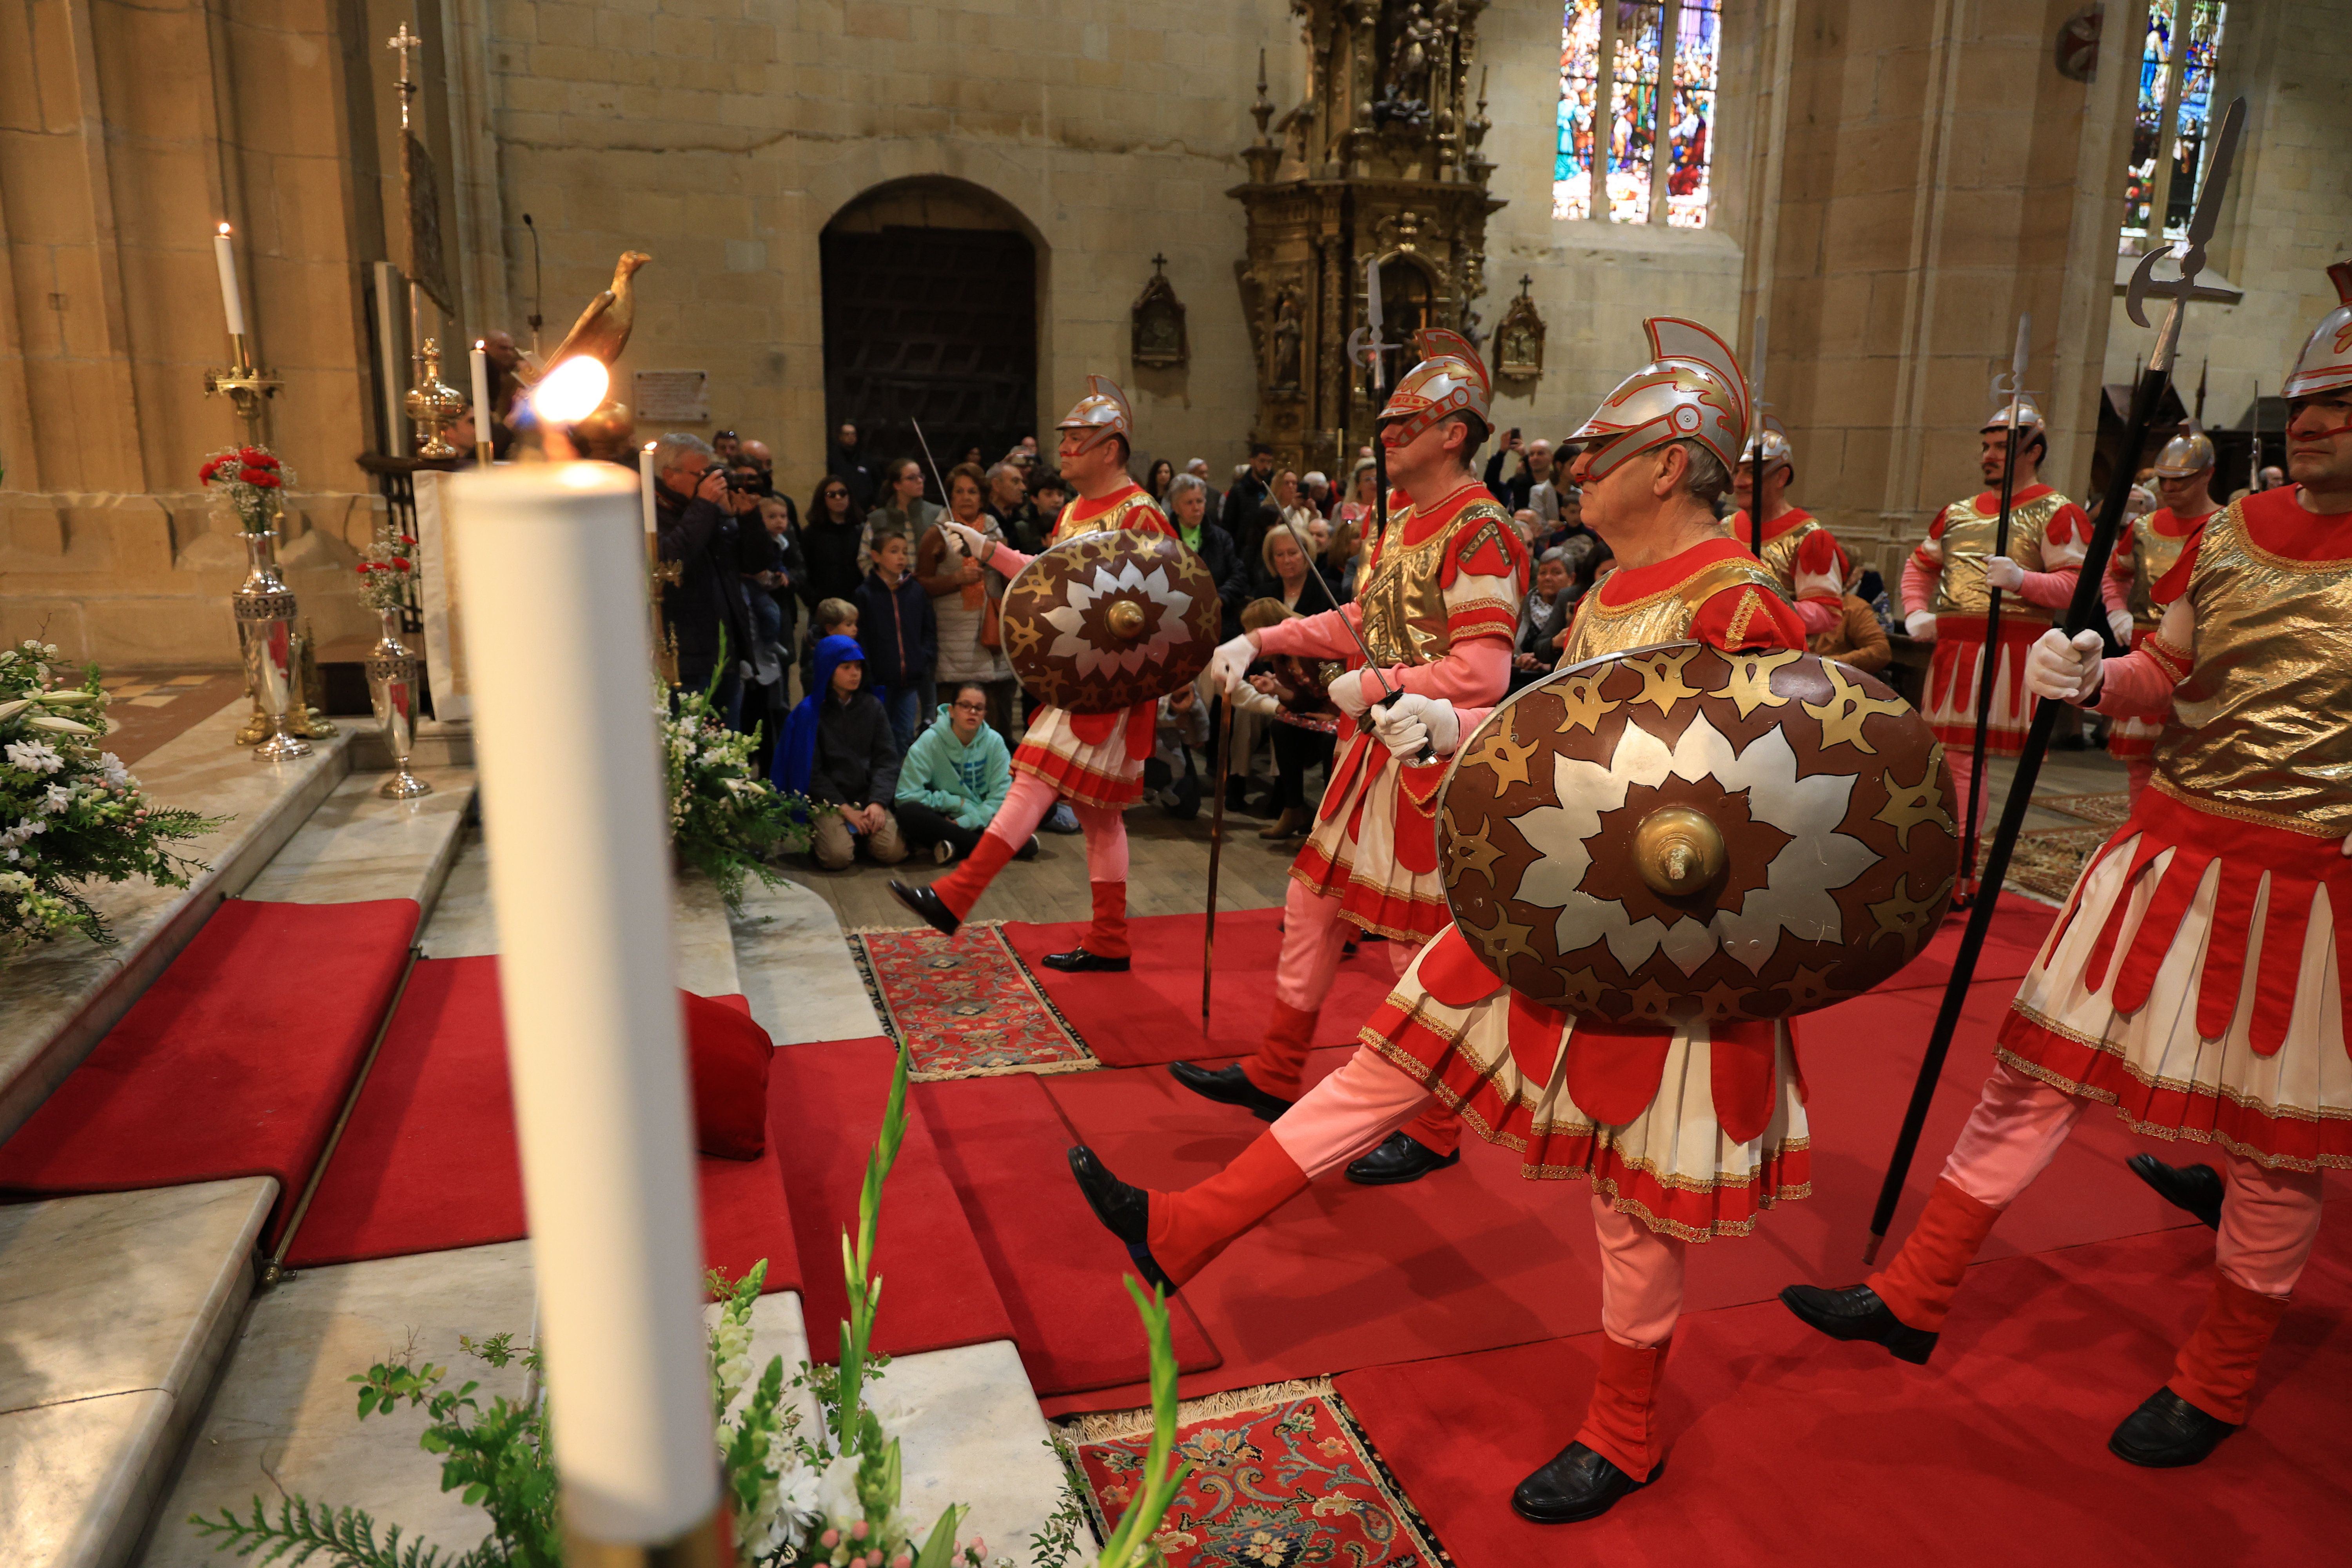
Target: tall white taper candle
point(574, 811)
point(645, 487)
point(232, 305)
point(482, 411)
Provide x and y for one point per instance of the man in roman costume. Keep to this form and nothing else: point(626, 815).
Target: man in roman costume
point(1805, 556)
point(2193, 979)
point(1093, 760)
point(1437, 608)
point(1684, 1133)
point(2184, 478)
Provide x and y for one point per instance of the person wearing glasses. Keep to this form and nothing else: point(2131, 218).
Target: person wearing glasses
point(955, 774)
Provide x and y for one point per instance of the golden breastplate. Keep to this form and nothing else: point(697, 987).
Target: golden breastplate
point(2262, 729)
point(1780, 556)
point(1137, 510)
point(1663, 616)
point(1403, 597)
point(2153, 554)
point(1971, 538)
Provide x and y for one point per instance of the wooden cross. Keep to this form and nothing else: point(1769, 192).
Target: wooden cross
point(1159, 263)
point(1527, 281)
point(403, 41)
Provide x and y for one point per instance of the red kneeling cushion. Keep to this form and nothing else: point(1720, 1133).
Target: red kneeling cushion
point(727, 1057)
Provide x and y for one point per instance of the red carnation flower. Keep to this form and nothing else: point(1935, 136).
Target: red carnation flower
point(398, 564)
point(250, 454)
point(408, 538)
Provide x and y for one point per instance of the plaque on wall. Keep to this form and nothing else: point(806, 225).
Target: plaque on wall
point(1519, 339)
point(683, 395)
point(1159, 341)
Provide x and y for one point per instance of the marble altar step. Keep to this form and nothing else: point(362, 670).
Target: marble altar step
point(57, 1001)
point(358, 846)
point(115, 1311)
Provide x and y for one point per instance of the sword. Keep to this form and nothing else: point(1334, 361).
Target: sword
point(1216, 845)
point(2015, 389)
point(2083, 613)
point(2255, 463)
point(1756, 473)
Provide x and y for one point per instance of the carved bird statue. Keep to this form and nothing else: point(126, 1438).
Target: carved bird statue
point(602, 329)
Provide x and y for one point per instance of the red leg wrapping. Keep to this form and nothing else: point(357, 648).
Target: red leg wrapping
point(1191, 1228)
point(1918, 1285)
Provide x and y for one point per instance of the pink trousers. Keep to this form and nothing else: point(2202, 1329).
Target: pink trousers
point(1026, 805)
point(2269, 1218)
point(1350, 1111)
point(1963, 768)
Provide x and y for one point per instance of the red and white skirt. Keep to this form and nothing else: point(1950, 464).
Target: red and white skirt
point(1091, 759)
point(1374, 846)
point(2193, 982)
point(1957, 673)
point(2135, 737)
point(1692, 1135)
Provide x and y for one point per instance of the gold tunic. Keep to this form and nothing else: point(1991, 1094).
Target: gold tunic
point(1137, 510)
point(1661, 617)
point(2262, 729)
point(1969, 537)
point(2152, 556)
point(1403, 597)
point(1780, 554)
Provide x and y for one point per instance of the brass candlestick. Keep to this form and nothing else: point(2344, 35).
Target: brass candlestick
point(659, 574)
point(245, 386)
point(431, 403)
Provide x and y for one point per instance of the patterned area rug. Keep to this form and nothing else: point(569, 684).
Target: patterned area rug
point(965, 1004)
point(2047, 860)
point(2108, 808)
point(1281, 1475)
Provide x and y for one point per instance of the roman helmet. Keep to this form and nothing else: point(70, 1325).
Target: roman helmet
point(1450, 379)
point(1692, 390)
point(2029, 417)
point(1101, 413)
point(1776, 451)
point(2190, 452)
point(2325, 362)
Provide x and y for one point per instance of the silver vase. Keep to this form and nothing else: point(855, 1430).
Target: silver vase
point(264, 607)
point(392, 690)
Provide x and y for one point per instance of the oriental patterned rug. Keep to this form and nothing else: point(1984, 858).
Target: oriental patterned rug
point(965, 1004)
point(1281, 1476)
point(2110, 808)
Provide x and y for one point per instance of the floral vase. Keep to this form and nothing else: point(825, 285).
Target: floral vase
point(264, 608)
point(392, 690)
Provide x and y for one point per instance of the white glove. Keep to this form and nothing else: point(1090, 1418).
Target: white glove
point(977, 545)
point(2120, 623)
point(2003, 573)
point(1921, 624)
point(1412, 721)
point(1229, 665)
point(2068, 671)
point(1347, 694)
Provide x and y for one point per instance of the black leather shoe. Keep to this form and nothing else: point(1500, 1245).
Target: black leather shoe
point(2167, 1432)
point(1399, 1159)
point(925, 904)
point(1577, 1484)
point(2196, 1188)
point(1857, 1313)
point(1078, 961)
point(1124, 1212)
point(1229, 1085)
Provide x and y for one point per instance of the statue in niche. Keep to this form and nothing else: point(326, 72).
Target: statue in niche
point(1157, 323)
point(1282, 357)
point(1519, 338)
point(1416, 49)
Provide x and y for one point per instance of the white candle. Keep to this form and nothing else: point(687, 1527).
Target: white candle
point(231, 303)
point(645, 487)
point(574, 811)
point(482, 420)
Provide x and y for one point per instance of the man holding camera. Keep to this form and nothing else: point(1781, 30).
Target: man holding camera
point(697, 512)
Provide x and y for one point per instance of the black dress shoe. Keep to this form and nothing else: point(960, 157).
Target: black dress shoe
point(2196, 1188)
point(1124, 1212)
point(1229, 1085)
point(2167, 1432)
point(1577, 1484)
point(1857, 1313)
point(1399, 1158)
point(1078, 961)
point(925, 904)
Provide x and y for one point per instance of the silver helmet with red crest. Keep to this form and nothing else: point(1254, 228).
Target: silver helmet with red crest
point(1692, 390)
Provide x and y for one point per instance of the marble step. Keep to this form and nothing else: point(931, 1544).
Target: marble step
point(358, 846)
point(57, 1001)
point(115, 1311)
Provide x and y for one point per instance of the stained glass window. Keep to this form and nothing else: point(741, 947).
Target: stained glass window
point(2173, 113)
point(1612, 114)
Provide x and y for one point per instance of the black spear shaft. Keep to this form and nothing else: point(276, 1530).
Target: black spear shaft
point(1991, 665)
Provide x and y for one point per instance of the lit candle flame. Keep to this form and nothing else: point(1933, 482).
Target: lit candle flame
point(571, 391)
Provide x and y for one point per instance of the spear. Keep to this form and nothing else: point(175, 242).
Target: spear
point(1992, 609)
point(1756, 474)
point(1216, 846)
point(2082, 613)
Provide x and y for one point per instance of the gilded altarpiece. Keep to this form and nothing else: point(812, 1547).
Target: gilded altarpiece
point(1378, 159)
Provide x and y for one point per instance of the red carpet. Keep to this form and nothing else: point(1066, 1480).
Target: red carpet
point(2018, 927)
point(827, 1102)
point(1152, 1014)
point(1004, 1145)
point(428, 1161)
point(1476, 1257)
point(234, 1063)
point(1783, 1447)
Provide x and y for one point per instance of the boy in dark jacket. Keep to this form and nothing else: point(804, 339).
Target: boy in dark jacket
point(837, 750)
point(900, 636)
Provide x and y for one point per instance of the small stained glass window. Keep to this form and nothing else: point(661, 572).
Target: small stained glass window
point(2172, 115)
point(1657, 85)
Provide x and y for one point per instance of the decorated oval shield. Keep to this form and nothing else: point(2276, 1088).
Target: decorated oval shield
point(1104, 621)
point(1677, 834)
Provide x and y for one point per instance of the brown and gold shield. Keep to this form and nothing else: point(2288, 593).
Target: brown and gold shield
point(1676, 833)
point(1104, 621)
